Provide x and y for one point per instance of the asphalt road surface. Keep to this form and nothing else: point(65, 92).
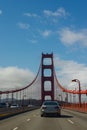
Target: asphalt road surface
point(33, 121)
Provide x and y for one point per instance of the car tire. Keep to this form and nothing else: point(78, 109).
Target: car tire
point(41, 115)
point(58, 115)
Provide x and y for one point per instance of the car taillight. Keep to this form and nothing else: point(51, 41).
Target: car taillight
point(44, 107)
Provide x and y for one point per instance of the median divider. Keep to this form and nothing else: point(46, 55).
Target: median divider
point(8, 112)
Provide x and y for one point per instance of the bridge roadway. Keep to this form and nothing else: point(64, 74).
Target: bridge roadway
point(32, 121)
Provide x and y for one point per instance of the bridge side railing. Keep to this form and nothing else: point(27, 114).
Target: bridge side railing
point(75, 106)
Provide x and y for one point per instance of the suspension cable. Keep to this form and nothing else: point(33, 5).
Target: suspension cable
point(67, 90)
point(17, 90)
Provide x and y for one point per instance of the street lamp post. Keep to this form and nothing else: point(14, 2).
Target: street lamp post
point(76, 80)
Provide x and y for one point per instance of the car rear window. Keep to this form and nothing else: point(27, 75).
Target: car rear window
point(50, 103)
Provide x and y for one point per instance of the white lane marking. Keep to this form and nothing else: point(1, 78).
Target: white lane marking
point(15, 128)
point(28, 119)
point(71, 121)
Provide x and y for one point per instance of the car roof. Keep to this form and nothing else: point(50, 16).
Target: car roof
point(49, 101)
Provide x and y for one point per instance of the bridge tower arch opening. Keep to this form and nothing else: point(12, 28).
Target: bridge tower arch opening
point(47, 90)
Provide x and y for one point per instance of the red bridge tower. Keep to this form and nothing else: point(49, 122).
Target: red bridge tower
point(47, 78)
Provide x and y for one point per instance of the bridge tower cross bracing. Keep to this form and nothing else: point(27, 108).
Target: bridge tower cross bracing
point(45, 78)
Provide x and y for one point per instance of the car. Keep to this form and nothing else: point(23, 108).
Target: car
point(3, 105)
point(50, 107)
point(30, 105)
point(14, 106)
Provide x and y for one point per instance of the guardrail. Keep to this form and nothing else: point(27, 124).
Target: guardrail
point(76, 106)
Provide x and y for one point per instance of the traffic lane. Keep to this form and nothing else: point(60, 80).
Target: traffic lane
point(33, 121)
point(79, 118)
point(13, 122)
point(58, 123)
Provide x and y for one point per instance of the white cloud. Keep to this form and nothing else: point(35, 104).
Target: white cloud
point(0, 12)
point(70, 37)
point(23, 25)
point(58, 13)
point(30, 14)
point(68, 70)
point(14, 77)
point(46, 33)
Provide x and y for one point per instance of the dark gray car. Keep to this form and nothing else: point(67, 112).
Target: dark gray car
point(50, 107)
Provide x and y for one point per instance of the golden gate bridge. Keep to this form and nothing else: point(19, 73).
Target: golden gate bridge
point(45, 86)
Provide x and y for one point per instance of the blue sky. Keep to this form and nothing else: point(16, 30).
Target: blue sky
point(30, 27)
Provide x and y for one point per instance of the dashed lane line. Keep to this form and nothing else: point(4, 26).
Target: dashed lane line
point(71, 121)
point(28, 119)
point(15, 128)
